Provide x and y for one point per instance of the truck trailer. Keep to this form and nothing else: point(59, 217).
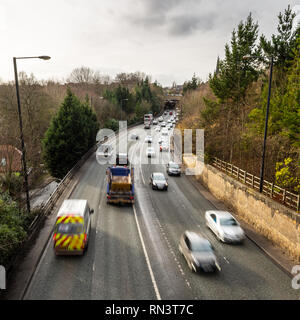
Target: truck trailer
point(120, 184)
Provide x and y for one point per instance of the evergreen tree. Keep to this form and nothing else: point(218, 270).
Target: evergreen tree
point(282, 44)
point(71, 133)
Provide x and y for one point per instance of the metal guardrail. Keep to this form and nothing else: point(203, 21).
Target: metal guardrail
point(271, 190)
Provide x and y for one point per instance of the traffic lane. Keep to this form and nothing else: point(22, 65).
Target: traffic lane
point(120, 270)
point(69, 277)
point(251, 281)
point(168, 273)
point(270, 281)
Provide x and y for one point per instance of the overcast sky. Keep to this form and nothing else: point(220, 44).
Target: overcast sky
point(167, 39)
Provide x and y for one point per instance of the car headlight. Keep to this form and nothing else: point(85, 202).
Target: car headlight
point(154, 183)
point(166, 184)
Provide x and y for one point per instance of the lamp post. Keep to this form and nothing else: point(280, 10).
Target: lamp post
point(261, 182)
point(21, 126)
point(122, 106)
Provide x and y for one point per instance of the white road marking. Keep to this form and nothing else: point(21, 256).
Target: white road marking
point(158, 297)
point(226, 260)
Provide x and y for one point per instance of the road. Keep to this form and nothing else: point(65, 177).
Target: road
point(133, 251)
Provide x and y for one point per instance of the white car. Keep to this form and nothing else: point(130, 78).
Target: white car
point(150, 152)
point(160, 119)
point(224, 226)
point(169, 121)
point(160, 140)
point(148, 139)
point(164, 132)
point(163, 124)
point(157, 129)
point(155, 121)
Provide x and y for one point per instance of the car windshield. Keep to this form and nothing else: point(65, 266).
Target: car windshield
point(174, 165)
point(228, 222)
point(69, 228)
point(200, 246)
point(158, 177)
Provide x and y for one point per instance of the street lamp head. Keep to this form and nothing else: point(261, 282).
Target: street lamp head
point(246, 57)
point(44, 57)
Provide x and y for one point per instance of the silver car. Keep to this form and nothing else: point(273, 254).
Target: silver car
point(198, 252)
point(158, 181)
point(173, 169)
point(224, 226)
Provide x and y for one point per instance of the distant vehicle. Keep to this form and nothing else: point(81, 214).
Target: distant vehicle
point(148, 118)
point(120, 184)
point(155, 121)
point(158, 181)
point(150, 152)
point(163, 124)
point(148, 139)
point(147, 124)
point(104, 151)
point(160, 119)
point(169, 120)
point(165, 113)
point(164, 132)
point(72, 227)
point(160, 140)
point(157, 129)
point(198, 252)
point(224, 226)
point(170, 113)
point(164, 147)
point(173, 169)
point(134, 137)
point(122, 159)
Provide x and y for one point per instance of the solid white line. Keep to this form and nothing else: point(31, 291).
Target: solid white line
point(158, 297)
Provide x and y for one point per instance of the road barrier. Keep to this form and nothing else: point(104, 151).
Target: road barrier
point(271, 190)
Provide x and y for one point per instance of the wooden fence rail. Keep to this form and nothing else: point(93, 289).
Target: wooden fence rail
point(271, 190)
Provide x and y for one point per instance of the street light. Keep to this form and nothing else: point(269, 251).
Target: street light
point(21, 125)
point(261, 182)
point(122, 106)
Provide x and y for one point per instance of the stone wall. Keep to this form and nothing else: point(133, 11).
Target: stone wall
point(275, 221)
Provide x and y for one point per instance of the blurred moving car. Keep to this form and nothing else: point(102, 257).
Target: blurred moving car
point(224, 226)
point(163, 124)
point(148, 139)
point(158, 181)
point(134, 136)
point(72, 227)
point(150, 152)
point(164, 132)
point(155, 121)
point(157, 129)
point(104, 151)
point(198, 252)
point(173, 169)
point(160, 119)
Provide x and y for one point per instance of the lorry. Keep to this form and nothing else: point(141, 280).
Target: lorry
point(120, 183)
point(148, 119)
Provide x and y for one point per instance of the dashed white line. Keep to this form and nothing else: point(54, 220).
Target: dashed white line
point(147, 257)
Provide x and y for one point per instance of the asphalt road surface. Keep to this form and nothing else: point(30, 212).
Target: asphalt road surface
point(133, 250)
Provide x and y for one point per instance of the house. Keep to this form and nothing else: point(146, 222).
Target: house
point(10, 159)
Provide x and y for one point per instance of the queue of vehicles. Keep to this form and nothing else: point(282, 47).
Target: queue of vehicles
point(73, 223)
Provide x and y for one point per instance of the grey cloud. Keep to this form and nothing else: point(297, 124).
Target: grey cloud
point(187, 24)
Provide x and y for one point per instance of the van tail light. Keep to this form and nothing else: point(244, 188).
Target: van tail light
point(108, 197)
point(54, 236)
point(131, 197)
